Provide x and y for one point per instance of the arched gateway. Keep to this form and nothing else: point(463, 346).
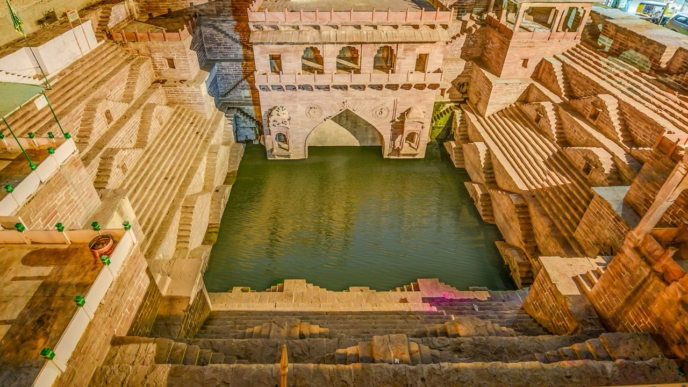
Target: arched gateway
point(345, 129)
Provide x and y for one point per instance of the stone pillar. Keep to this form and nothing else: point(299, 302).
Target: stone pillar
point(584, 20)
point(521, 10)
point(551, 15)
point(557, 20)
point(329, 54)
point(367, 56)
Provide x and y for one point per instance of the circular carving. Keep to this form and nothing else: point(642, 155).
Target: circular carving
point(381, 112)
point(314, 112)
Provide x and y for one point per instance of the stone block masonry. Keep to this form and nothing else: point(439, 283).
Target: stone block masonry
point(114, 317)
point(68, 198)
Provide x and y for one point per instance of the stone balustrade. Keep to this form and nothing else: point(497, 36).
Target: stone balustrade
point(531, 35)
point(163, 36)
point(351, 78)
point(440, 14)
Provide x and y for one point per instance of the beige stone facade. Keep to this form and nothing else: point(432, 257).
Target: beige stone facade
point(569, 120)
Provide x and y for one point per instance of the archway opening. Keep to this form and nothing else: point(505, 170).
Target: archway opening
point(384, 60)
point(345, 129)
point(312, 61)
point(348, 60)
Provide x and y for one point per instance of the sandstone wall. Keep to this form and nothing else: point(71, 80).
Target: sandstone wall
point(549, 307)
point(644, 188)
point(68, 197)
point(601, 231)
point(114, 317)
point(147, 311)
point(171, 59)
point(631, 297)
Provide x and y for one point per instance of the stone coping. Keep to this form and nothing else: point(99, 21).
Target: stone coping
point(37, 303)
point(25, 182)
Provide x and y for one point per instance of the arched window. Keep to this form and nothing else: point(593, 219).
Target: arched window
point(348, 60)
point(384, 60)
point(311, 61)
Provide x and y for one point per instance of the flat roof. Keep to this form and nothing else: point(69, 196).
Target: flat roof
point(642, 27)
point(346, 5)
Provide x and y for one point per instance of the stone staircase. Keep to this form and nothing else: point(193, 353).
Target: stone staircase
point(623, 80)
point(618, 120)
point(562, 80)
point(72, 89)
point(608, 347)
point(152, 188)
point(359, 325)
point(103, 21)
point(389, 349)
point(148, 350)
point(538, 164)
point(588, 280)
point(7, 76)
point(455, 337)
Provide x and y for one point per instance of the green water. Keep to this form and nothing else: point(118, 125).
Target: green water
point(348, 217)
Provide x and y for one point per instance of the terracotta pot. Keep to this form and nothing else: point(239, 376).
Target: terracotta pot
point(101, 245)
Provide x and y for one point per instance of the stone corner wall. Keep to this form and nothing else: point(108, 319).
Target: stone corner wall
point(549, 307)
point(67, 197)
point(114, 317)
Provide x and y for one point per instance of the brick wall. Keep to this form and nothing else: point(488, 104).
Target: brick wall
point(171, 59)
point(196, 314)
point(194, 97)
point(549, 307)
point(114, 317)
point(546, 75)
point(634, 48)
point(601, 231)
point(644, 189)
point(644, 129)
point(581, 85)
point(145, 315)
point(68, 197)
point(631, 297)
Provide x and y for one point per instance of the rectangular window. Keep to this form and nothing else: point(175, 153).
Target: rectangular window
point(276, 64)
point(170, 63)
point(421, 63)
point(525, 63)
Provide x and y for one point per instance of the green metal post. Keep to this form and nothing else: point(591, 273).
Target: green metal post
point(31, 164)
point(65, 135)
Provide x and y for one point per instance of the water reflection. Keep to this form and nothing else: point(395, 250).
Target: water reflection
point(345, 217)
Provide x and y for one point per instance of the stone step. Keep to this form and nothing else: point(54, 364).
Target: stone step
point(576, 373)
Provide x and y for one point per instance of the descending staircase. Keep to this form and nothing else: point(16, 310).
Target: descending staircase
point(622, 79)
point(103, 21)
point(553, 179)
point(73, 87)
point(153, 188)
